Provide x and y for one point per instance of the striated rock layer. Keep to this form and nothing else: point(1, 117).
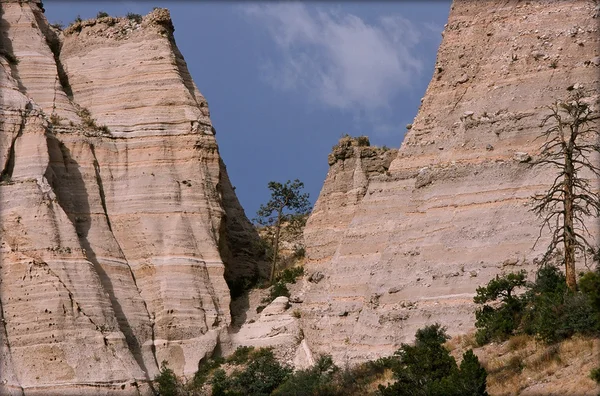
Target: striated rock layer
point(119, 225)
point(390, 252)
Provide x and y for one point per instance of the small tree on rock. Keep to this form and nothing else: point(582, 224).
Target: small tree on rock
point(287, 203)
point(498, 321)
point(570, 142)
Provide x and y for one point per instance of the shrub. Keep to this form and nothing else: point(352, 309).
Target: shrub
point(134, 17)
point(167, 381)
point(277, 290)
point(299, 251)
point(473, 377)
point(595, 374)
point(104, 128)
point(470, 379)
point(517, 342)
point(422, 365)
point(58, 25)
point(428, 369)
point(101, 14)
point(317, 380)
point(589, 284)
point(499, 323)
point(260, 377)
point(205, 367)
point(241, 355)
point(55, 118)
point(289, 275)
point(363, 141)
point(548, 309)
point(554, 313)
point(220, 383)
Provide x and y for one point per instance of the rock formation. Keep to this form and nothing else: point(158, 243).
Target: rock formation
point(120, 230)
point(119, 225)
point(394, 250)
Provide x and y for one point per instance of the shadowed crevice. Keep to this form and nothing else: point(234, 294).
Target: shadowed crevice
point(9, 166)
point(74, 187)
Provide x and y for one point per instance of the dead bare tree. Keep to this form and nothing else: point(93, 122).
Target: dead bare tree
point(571, 140)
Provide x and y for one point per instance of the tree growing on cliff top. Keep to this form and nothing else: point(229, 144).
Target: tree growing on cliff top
point(286, 204)
point(570, 142)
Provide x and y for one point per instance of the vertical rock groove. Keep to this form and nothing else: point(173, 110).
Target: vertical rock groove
point(7, 171)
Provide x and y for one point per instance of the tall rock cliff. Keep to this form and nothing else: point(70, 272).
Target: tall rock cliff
point(408, 247)
point(119, 225)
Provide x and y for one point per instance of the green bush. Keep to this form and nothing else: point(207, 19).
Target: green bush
point(472, 376)
point(277, 290)
point(363, 141)
point(499, 323)
point(259, 378)
point(554, 313)
point(134, 17)
point(299, 251)
point(289, 275)
point(589, 284)
point(317, 380)
point(220, 383)
point(205, 367)
point(167, 381)
point(428, 369)
point(595, 374)
point(101, 14)
point(241, 355)
point(548, 309)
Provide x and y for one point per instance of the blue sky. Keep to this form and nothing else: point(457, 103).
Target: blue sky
point(285, 80)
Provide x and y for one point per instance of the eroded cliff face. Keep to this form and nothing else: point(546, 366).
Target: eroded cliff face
point(402, 249)
point(118, 218)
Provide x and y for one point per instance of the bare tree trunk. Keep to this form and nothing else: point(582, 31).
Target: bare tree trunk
point(569, 232)
point(275, 247)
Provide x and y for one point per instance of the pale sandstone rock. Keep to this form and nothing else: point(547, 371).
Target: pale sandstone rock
point(464, 209)
point(114, 242)
point(276, 328)
point(277, 306)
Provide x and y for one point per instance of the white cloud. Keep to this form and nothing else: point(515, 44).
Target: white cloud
point(336, 57)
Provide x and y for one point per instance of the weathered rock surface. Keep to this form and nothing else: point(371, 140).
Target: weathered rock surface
point(408, 247)
point(118, 218)
point(277, 325)
point(274, 327)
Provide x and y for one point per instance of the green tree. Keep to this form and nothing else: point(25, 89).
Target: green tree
point(569, 144)
point(262, 375)
point(473, 377)
point(428, 369)
point(418, 368)
point(317, 380)
point(553, 312)
point(167, 381)
point(589, 285)
point(286, 204)
point(499, 322)
point(547, 308)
